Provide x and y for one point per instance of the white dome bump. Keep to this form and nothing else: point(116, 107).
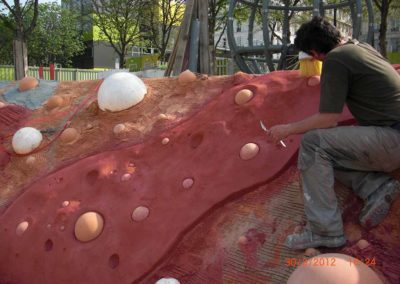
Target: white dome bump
point(121, 91)
point(26, 139)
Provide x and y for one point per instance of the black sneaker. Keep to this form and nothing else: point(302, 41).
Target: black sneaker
point(308, 239)
point(377, 205)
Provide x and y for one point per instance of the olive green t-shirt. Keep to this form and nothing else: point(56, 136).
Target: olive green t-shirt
point(356, 74)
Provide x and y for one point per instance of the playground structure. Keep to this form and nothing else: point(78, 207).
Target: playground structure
point(180, 184)
point(270, 57)
point(184, 184)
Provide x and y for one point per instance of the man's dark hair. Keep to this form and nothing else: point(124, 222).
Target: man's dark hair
point(317, 34)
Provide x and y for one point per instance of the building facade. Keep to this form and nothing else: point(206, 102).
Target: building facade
point(99, 53)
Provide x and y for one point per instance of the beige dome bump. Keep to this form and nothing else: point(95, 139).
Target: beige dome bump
point(54, 102)
point(333, 268)
point(69, 135)
point(140, 213)
point(27, 83)
point(21, 228)
point(243, 96)
point(89, 226)
point(186, 77)
point(249, 151)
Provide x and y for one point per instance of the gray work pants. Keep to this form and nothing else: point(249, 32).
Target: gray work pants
point(358, 156)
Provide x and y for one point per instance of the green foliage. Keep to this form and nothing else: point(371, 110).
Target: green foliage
point(119, 22)
point(161, 19)
point(56, 38)
point(393, 8)
point(139, 63)
point(393, 57)
point(6, 47)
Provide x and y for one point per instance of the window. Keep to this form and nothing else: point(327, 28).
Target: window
point(238, 27)
point(394, 45)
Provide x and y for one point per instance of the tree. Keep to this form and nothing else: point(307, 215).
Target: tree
point(56, 38)
point(119, 23)
point(21, 28)
point(163, 17)
point(385, 7)
point(217, 21)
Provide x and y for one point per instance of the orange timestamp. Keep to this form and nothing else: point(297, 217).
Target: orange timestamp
point(369, 261)
point(315, 261)
point(326, 261)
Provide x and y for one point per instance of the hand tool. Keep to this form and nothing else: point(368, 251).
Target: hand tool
point(266, 130)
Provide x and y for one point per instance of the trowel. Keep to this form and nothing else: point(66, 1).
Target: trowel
point(263, 127)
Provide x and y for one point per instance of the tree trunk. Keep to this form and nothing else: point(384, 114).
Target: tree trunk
point(20, 58)
point(213, 54)
point(121, 60)
point(162, 54)
point(211, 34)
point(383, 28)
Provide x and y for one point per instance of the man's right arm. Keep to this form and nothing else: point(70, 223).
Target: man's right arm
point(318, 120)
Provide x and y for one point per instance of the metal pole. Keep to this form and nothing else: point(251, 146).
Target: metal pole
point(231, 40)
point(268, 54)
point(194, 45)
point(316, 7)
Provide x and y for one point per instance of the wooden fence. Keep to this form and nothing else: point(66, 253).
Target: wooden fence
point(224, 66)
point(60, 74)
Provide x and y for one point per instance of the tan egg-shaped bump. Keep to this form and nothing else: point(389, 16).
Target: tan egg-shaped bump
point(126, 177)
point(65, 203)
point(353, 232)
point(69, 135)
point(186, 77)
point(363, 244)
point(140, 213)
point(89, 226)
point(243, 96)
point(241, 78)
point(162, 116)
point(54, 102)
point(27, 83)
point(313, 81)
point(119, 128)
point(30, 161)
point(249, 151)
point(188, 183)
point(243, 240)
point(311, 252)
point(167, 280)
point(165, 141)
point(333, 268)
point(21, 228)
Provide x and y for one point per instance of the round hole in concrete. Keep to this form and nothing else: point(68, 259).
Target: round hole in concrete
point(48, 245)
point(196, 140)
point(113, 261)
point(92, 176)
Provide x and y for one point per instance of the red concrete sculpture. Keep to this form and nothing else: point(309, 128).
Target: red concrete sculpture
point(183, 153)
